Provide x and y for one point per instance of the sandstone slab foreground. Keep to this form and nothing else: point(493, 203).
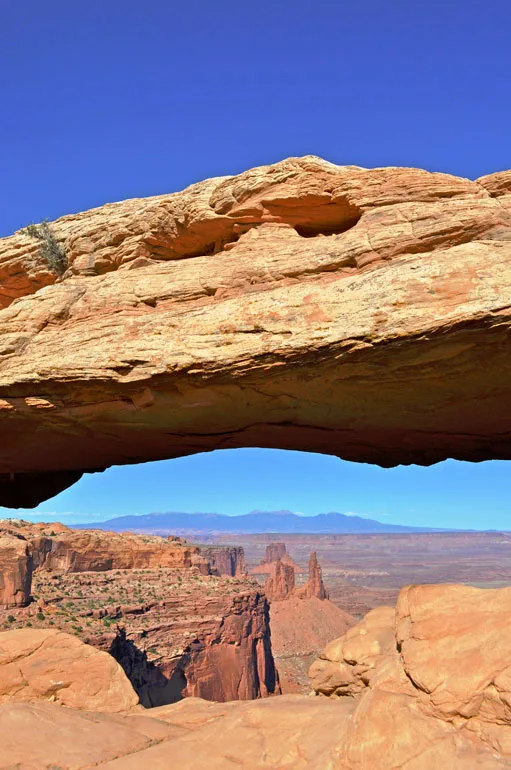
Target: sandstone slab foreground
point(429, 687)
point(304, 305)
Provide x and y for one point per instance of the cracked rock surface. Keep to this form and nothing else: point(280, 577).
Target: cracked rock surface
point(363, 313)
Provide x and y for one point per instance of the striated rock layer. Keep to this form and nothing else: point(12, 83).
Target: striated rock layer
point(226, 559)
point(16, 565)
point(156, 605)
point(304, 305)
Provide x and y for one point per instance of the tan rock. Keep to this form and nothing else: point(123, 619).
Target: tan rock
point(46, 736)
point(52, 666)
point(346, 665)
point(303, 305)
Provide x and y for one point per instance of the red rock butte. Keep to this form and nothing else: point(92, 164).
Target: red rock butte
point(363, 313)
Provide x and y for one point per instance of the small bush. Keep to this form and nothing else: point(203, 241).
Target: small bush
point(50, 250)
point(11, 618)
point(40, 616)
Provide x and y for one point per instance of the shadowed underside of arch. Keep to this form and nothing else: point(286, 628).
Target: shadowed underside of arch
point(360, 313)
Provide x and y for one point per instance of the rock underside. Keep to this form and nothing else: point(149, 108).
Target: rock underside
point(304, 305)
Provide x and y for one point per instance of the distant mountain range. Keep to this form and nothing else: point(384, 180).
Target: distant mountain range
point(255, 522)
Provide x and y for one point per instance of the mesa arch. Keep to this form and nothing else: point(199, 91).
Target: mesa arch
point(304, 305)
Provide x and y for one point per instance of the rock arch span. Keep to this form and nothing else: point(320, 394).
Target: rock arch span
point(355, 312)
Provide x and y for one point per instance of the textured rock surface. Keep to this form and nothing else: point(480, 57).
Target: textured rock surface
point(49, 665)
point(439, 698)
point(303, 305)
point(346, 665)
point(432, 680)
point(314, 585)
point(288, 733)
point(215, 647)
point(281, 584)
point(176, 629)
point(56, 547)
point(227, 559)
point(16, 566)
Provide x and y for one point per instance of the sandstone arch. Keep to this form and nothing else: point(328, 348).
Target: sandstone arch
point(361, 313)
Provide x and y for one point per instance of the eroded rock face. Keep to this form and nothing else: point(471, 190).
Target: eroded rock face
point(155, 604)
point(303, 305)
point(431, 680)
point(274, 553)
point(227, 559)
point(16, 565)
point(281, 584)
point(314, 585)
point(438, 696)
point(346, 665)
point(212, 647)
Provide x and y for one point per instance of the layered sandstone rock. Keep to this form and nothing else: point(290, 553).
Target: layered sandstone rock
point(226, 559)
point(56, 547)
point(281, 584)
point(215, 647)
point(274, 552)
point(260, 310)
point(302, 621)
point(153, 604)
point(49, 665)
point(16, 566)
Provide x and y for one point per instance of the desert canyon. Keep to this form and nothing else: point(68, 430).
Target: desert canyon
point(358, 312)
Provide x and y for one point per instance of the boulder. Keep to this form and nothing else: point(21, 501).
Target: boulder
point(38, 665)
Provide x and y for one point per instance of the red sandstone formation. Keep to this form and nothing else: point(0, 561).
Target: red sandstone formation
point(226, 559)
point(275, 552)
point(56, 547)
point(429, 687)
point(302, 621)
point(16, 566)
point(314, 585)
point(304, 283)
point(152, 603)
point(281, 584)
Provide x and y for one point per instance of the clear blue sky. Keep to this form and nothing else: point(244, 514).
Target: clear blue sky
point(107, 100)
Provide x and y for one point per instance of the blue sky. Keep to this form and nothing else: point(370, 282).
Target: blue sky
point(107, 100)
